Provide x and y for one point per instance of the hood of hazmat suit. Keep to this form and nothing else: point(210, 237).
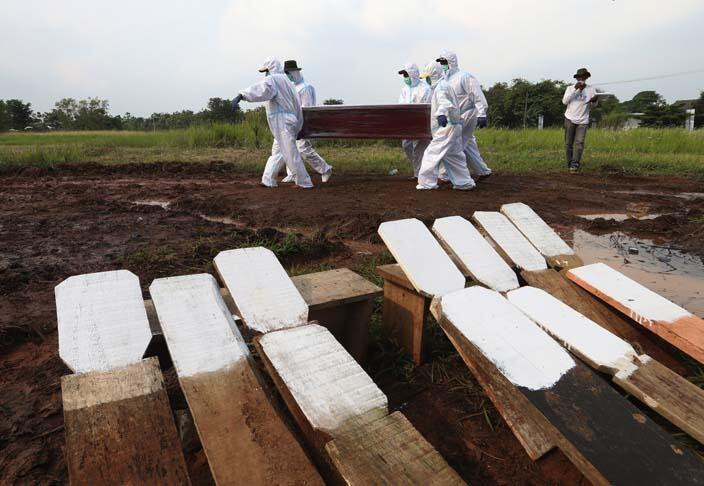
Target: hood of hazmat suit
point(305, 90)
point(278, 92)
point(433, 71)
point(443, 99)
point(418, 91)
point(469, 93)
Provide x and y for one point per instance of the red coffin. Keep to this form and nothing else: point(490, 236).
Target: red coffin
point(367, 121)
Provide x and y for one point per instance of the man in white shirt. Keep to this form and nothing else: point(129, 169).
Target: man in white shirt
point(578, 99)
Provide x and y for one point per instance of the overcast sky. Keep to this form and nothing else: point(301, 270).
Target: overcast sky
point(167, 55)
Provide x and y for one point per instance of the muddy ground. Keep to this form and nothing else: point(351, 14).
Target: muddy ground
point(67, 221)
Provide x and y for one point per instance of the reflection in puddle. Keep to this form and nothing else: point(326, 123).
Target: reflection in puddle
point(153, 202)
point(671, 273)
point(617, 216)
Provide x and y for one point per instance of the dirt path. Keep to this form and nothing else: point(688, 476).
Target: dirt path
point(70, 221)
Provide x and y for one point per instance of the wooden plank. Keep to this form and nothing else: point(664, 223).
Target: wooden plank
point(367, 121)
point(324, 387)
point(605, 436)
point(509, 241)
point(389, 451)
point(672, 396)
point(119, 428)
point(473, 254)
point(102, 323)
point(422, 259)
point(579, 299)
point(658, 387)
point(557, 253)
point(266, 298)
point(405, 312)
point(244, 439)
point(333, 288)
point(671, 322)
point(592, 343)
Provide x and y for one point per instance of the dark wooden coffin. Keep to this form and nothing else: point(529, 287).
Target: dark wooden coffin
point(367, 121)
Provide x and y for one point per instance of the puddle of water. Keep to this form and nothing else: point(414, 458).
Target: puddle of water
point(674, 274)
point(153, 202)
point(617, 216)
point(682, 195)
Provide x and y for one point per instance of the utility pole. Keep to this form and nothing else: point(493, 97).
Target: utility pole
point(689, 122)
point(525, 111)
point(541, 121)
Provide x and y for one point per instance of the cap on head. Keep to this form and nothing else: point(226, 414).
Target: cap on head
point(403, 73)
point(291, 65)
point(582, 73)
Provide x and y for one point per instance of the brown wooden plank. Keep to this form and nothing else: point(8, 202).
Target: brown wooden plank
point(243, 437)
point(393, 273)
point(671, 322)
point(535, 433)
point(349, 324)
point(580, 300)
point(367, 121)
point(389, 451)
point(334, 287)
point(672, 396)
point(405, 312)
point(119, 428)
point(601, 432)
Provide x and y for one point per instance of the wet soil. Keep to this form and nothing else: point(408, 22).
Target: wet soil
point(73, 220)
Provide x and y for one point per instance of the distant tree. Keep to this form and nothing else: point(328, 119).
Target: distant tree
point(511, 106)
point(605, 107)
point(699, 111)
point(657, 115)
point(643, 100)
point(17, 114)
point(333, 101)
point(4, 117)
point(220, 110)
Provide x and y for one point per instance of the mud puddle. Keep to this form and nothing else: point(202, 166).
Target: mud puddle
point(668, 271)
point(618, 216)
point(681, 195)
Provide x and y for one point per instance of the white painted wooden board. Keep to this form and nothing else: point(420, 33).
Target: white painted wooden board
point(479, 258)
point(517, 346)
point(519, 250)
point(542, 236)
point(328, 385)
point(199, 329)
point(421, 257)
point(102, 322)
point(644, 305)
point(588, 340)
point(264, 294)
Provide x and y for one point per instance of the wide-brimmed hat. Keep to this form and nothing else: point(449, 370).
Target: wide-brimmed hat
point(583, 72)
point(291, 65)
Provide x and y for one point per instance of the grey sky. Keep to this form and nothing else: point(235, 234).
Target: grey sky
point(157, 55)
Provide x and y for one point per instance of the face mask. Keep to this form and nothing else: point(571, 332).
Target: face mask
point(429, 81)
point(445, 67)
point(290, 77)
point(266, 73)
point(407, 81)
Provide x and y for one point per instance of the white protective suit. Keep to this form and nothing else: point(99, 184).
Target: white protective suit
point(473, 105)
point(285, 118)
point(446, 146)
point(418, 92)
point(306, 92)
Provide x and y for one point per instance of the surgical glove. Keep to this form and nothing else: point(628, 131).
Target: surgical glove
point(236, 102)
point(442, 120)
point(481, 122)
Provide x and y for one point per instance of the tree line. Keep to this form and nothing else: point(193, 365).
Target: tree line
point(511, 105)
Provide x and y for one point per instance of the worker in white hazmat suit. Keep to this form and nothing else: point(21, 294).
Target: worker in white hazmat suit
point(414, 91)
point(306, 92)
point(285, 118)
point(446, 127)
point(473, 107)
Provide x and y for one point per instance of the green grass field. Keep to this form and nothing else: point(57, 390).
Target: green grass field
point(640, 151)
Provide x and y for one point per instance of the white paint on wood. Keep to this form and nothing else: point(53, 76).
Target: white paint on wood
point(519, 250)
point(644, 305)
point(579, 334)
point(85, 390)
point(199, 330)
point(421, 257)
point(469, 247)
point(102, 322)
point(262, 291)
point(542, 236)
point(328, 385)
point(521, 350)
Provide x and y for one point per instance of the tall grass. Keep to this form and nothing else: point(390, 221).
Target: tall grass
point(639, 151)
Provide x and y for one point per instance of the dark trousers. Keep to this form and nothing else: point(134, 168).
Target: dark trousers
point(574, 143)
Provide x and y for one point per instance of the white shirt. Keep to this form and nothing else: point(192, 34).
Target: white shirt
point(577, 103)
